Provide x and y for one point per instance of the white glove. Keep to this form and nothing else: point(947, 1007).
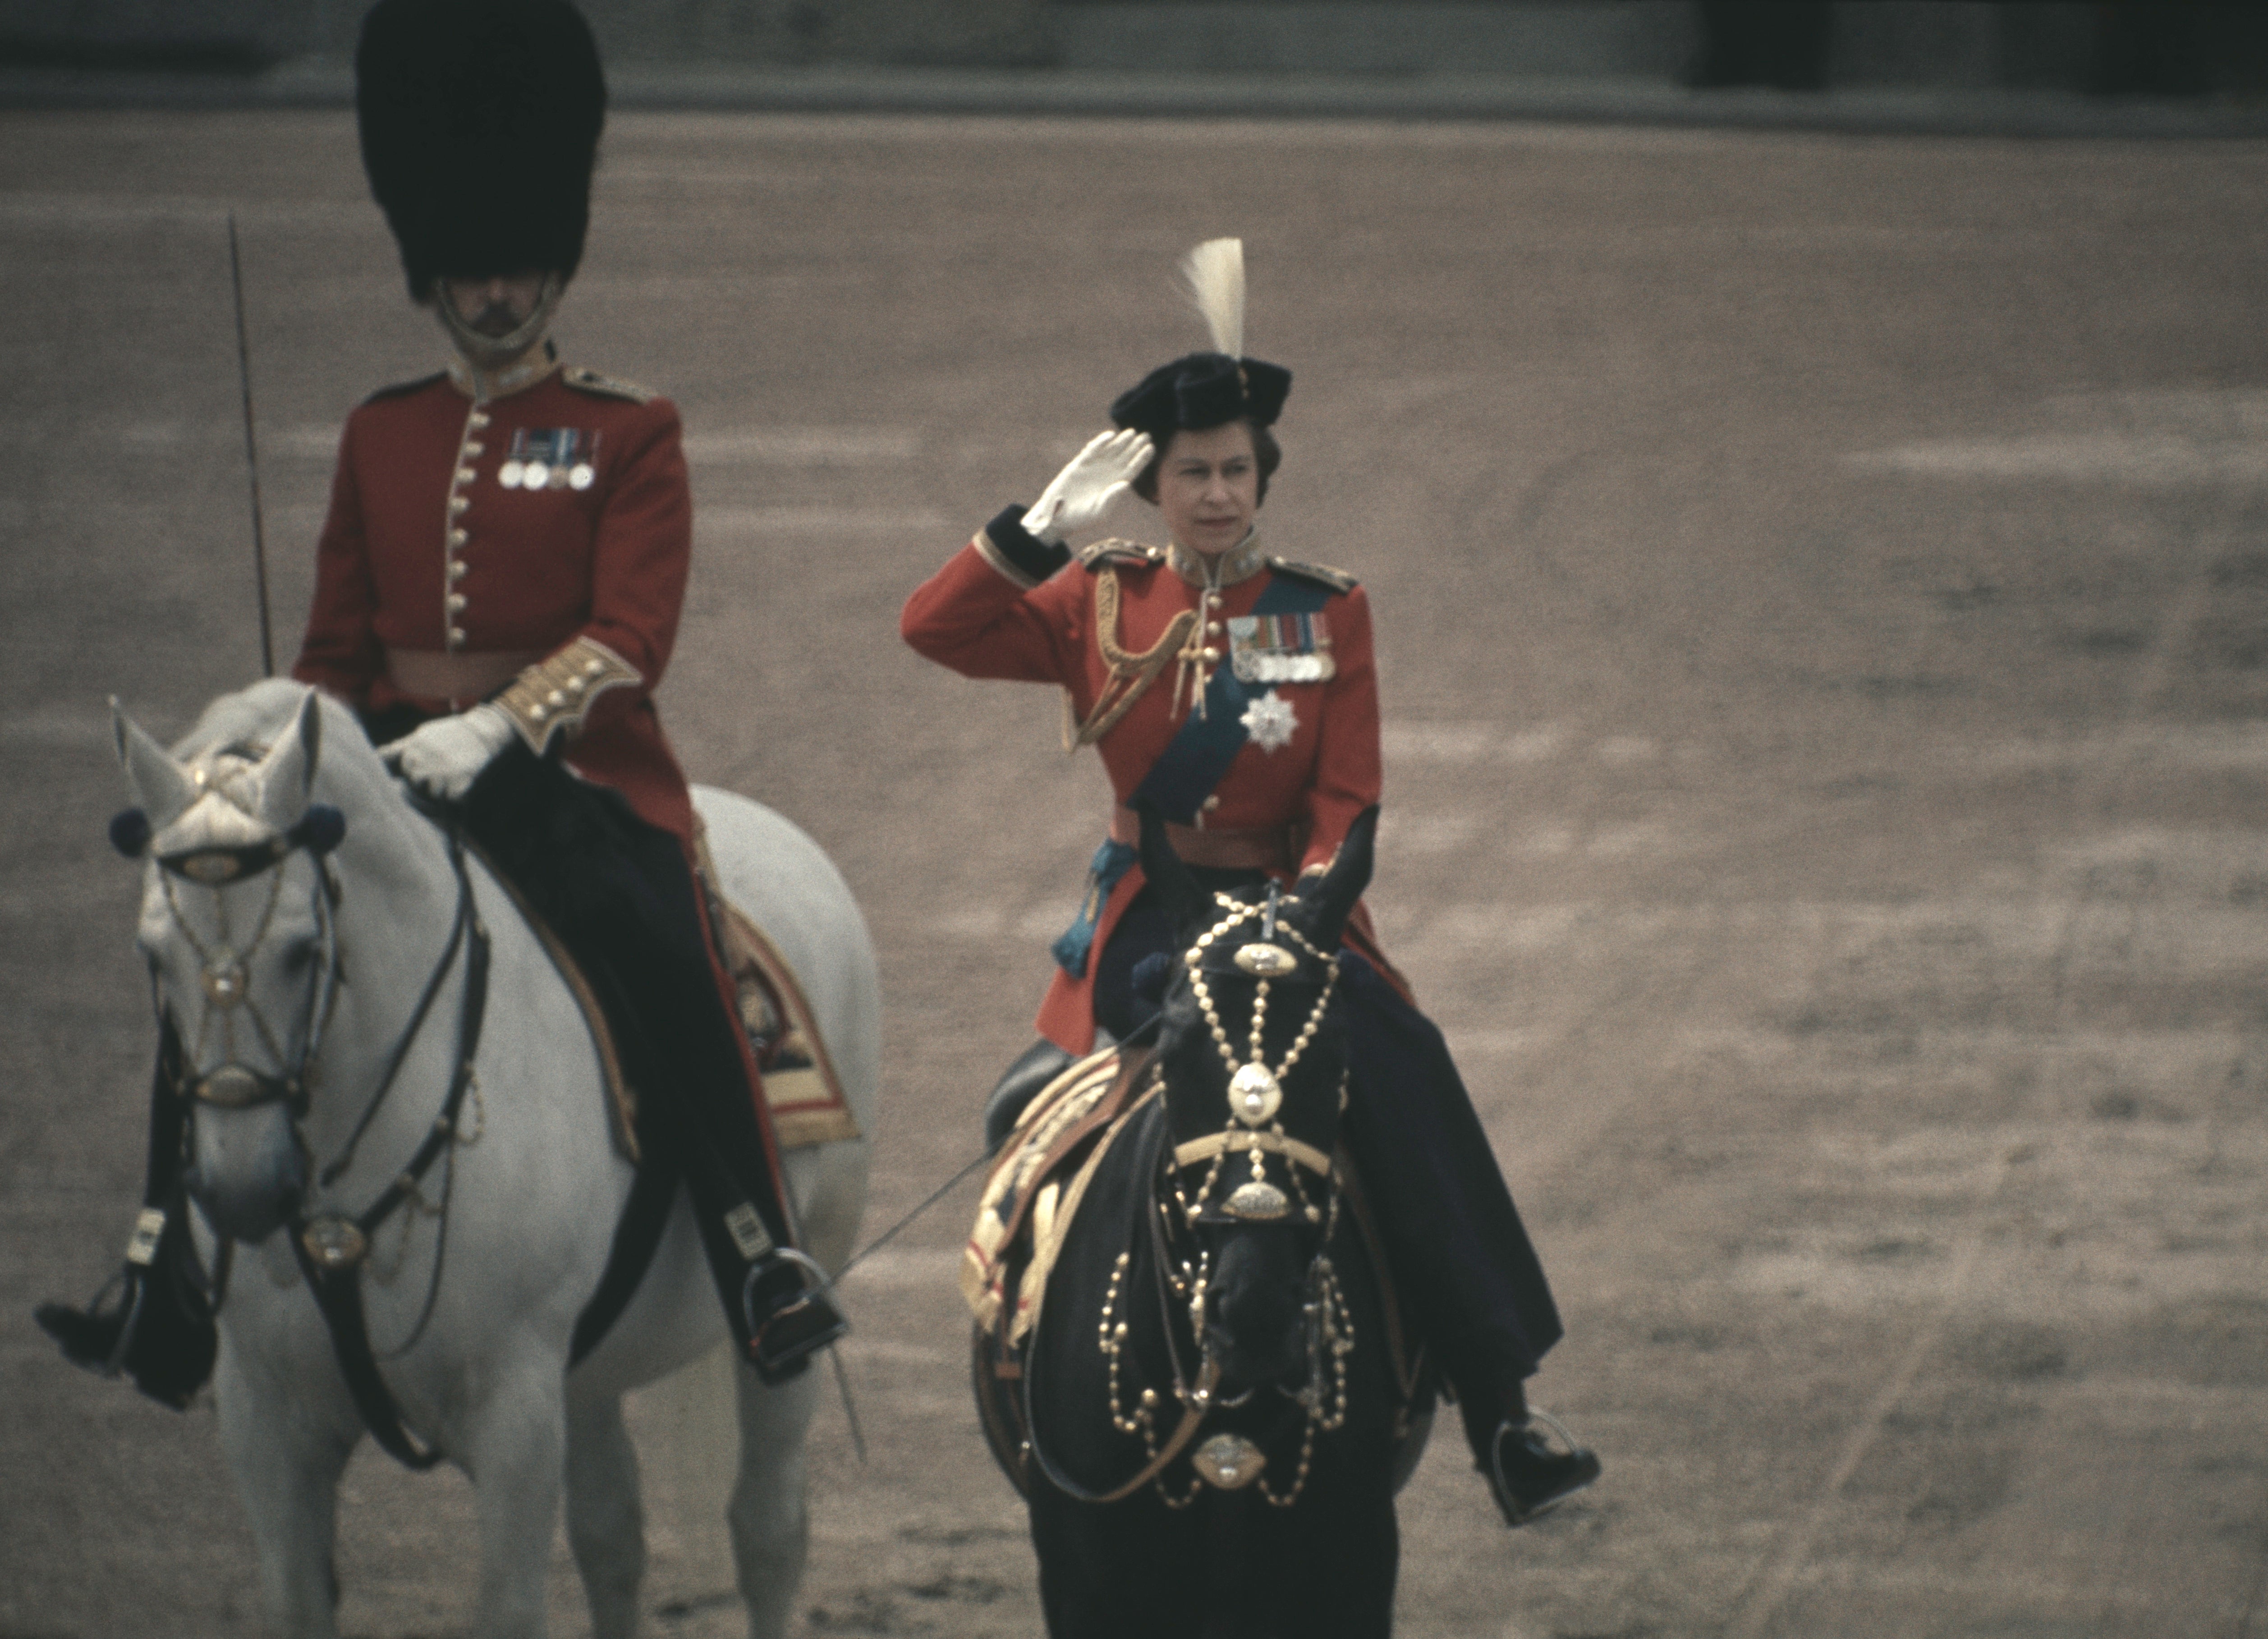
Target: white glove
point(443, 758)
point(1082, 494)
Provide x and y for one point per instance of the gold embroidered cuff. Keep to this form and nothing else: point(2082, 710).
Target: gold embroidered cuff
point(555, 695)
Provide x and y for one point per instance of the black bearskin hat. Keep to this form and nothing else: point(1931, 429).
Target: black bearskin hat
point(1202, 390)
point(480, 124)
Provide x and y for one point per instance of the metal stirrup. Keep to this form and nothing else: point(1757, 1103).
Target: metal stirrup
point(756, 1271)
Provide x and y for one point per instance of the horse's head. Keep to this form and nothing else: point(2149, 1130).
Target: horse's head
point(1252, 1050)
point(237, 926)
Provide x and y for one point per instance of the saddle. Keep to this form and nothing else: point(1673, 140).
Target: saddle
point(801, 1091)
point(1035, 1185)
point(1030, 1197)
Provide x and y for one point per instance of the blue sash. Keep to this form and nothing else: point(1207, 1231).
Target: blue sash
point(1198, 758)
point(1193, 763)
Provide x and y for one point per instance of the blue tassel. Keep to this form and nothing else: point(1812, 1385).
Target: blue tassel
point(1113, 859)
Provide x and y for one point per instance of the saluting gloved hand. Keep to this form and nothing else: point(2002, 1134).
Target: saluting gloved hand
point(443, 758)
point(1082, 494)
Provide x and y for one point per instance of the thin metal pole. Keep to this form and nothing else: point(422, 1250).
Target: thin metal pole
point(891, 1233)
point(850, 1406)
point(251, 452)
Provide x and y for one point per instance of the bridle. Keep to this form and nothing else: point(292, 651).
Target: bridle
point(225, 967)
point(1182, 1271)
point(330, 1248)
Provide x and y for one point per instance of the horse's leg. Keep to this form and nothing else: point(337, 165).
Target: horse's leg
point(1339, 1554)
point(287, 1461)
point(606, 1525)
point(770, 1529)
point(1130, 1570)
point(516, 1455)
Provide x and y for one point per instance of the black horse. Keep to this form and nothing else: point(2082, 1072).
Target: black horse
point(1218, 1405)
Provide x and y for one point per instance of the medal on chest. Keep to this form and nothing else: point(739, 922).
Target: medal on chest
point(1270, 722)
point(1281, 649)
point(550, 457)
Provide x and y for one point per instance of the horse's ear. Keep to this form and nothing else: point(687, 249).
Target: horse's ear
point(1185, 901)
point(162, 788)
point(1334, 898)
point(288, 771)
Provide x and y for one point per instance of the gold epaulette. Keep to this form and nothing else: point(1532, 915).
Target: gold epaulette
point(554, 696)
point(1103, 554)
point(1318, 574)
point(586, 380)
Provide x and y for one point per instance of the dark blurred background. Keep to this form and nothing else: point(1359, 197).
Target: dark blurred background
point(2149, 48)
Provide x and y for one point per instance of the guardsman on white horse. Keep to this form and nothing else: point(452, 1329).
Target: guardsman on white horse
point(499, 587)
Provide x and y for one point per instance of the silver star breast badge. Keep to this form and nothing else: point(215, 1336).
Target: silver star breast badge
point(1270, 722)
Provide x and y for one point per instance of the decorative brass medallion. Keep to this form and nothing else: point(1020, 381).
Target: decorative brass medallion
point(223, 980)
point(1253, 1094)
point(335, 1243)
point(1262, 1203)
point(1228, 1462)
point(1262, 960)
point(231, 1087)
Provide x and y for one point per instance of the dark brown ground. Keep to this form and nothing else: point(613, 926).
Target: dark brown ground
point(1823, 602)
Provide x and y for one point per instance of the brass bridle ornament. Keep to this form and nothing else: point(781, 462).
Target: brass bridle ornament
point(222, 827)
point(1230, 1461)
point(225, 966)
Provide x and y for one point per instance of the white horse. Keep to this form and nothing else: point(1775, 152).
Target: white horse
point(243, 967)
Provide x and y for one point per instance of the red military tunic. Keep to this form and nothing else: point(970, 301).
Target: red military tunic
point(427, 553)
point(982, 617)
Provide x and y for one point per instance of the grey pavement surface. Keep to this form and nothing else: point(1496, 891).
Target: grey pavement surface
point(1823, 599)
point(1428, 95)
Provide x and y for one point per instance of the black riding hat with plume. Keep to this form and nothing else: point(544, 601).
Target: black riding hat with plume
point(1202, 390)
point(480, 123)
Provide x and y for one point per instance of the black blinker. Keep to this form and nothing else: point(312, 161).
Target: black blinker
point(130, 832)
point(320, 829)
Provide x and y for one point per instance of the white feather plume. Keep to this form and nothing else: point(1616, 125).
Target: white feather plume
point(1213, 274)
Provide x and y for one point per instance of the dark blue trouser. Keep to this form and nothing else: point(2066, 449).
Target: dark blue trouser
point(622, 897)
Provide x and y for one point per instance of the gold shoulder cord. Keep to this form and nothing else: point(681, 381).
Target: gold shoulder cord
point(1131, 673)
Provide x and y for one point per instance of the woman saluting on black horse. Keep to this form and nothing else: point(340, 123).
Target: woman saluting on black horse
point(1235, 693)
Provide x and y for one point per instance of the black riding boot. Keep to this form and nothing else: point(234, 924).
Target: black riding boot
point(622, 897)
point(1526, 1475)
point(1458, 1249)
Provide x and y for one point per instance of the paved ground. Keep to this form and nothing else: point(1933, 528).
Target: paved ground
point(1470, 93)
point(1823, 599)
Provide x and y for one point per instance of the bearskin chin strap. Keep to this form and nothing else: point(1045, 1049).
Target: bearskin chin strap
point(489, 355)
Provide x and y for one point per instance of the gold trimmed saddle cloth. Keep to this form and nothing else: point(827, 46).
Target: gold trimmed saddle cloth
point(1034, 1189)
point(800, 1088)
